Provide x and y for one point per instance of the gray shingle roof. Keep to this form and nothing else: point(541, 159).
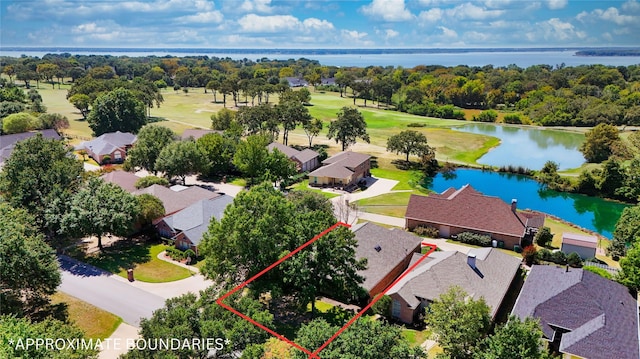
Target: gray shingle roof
point(302, 156)
point(196, 133)
point(108, 142)
point(8, 142)
point(442, 270)
point(174, 201)
point(340, 165)
point(126, 180)
point(395, 245)
point(306, 155)
point(601, 315)
point(194, 220)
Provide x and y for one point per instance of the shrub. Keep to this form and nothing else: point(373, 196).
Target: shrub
point(382, 306)
point(175, 254)
point(544, 237)
point(417, 124)
point(512, 118)
point(559, 257)
point(544, 255)
point(529, 255)
point(426, 231)
point(147, 181)
point(475, 239)
point(574, 260)
point(599, 271)
point(486, 116)
point(106, 159)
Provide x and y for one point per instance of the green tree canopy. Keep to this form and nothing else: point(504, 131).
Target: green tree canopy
point(515, 339)
point(151, 208)
point(118, 110)
point(222, 119)
point(599, 142)
point(312, 129)
point(179, 159)
point(459, 321)
point(365, 339)
point(630, 268)
point(30, 272)
point(292, 114)
point(148, 181)
point(18, 123)
point(151, 140)
point(40, 176)
point(251, 156)
point(348, 127)
point(82, 103)
point(217, 151)
point(409, 142)
point(99, 208)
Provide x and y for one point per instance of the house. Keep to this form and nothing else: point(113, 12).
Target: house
point(305, 160)
point(581, 314)
point(342, 170)
point(187, 226)
point(296, 82)
point(482, 273)
point(126, 180)
point(110, 147)
point(467, 210)
point(585, 246)
point(388, 253)
point(8, 142)
point(174, 200)
point(195, 134)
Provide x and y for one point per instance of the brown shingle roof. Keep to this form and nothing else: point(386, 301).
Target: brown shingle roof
point(601, 315)
point(395, 246)
point(442, 270)
point(126, 180)
point(579, 240)
point(468, 208)
point(302, 156)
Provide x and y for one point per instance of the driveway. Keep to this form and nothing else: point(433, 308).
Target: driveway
point(101, 289)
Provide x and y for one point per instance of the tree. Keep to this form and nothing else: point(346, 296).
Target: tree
point(459, 321)
point(14, 333)
point(364, 339)
point(147, 181)
point(82, 103)
point(312, 129)
point(191, 316)
point(48, 71)
point(179, 159)
point(599, 142)
point(278, 167)
point(349, 126)
point(630, 268)
point(627, 229)
point(54, 120)
point(515, 339)
point(544, 237)
point(151, 140)
point(217, 152)
point(40, 176)
point(612, 179)
point(118, 110)
point(409, 142)
point(291, 115)
point(251, 156)
point(30, 272)
point(222, 119)
point(151, 208)
point(99, 208)
point(18, 123)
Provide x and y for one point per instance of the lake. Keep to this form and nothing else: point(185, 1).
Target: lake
point(592, 213)
point(362, 57)
point(529, 147)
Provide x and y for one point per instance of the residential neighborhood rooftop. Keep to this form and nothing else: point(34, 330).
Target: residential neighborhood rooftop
point(579, 240)
point(340, 165)
point(8, 142)
point(194, 220)
point(108, 142)
point(124, 179)
point(174, 201)
point(598, 318)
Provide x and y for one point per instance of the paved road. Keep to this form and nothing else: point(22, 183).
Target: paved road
point(102, 290)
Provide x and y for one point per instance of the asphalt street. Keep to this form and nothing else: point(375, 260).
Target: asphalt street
point(99, 288)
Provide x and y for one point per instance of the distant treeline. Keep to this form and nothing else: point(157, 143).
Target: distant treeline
point(609, 52)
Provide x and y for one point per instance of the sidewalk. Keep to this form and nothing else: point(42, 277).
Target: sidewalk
point(119, 336)
point(162, 256)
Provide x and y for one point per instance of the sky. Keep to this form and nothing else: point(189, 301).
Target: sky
point(319, 23)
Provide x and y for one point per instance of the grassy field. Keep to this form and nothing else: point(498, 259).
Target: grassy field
point(94, 322)
point(142, 258)
point(390, 204)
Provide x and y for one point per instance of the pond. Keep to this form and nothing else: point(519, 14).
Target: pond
point(592, 213)
point(529, 147)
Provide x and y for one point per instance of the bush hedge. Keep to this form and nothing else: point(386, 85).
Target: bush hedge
point(482, 240)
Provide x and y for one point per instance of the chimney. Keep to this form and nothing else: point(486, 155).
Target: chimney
point(514, 205)
point(471, 260)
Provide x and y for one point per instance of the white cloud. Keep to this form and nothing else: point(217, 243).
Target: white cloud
point(497, 4)
point(532, 6)
point(557, 4)
point(431, 15)
point(271, 23)
point(316, 24)
point(354, 37)
point(557, 30)
point(88, 28)
point(387, 10)
point(390, 34)
point(473, 12)
point(448, 33)
point(476, 37)
point(612, 14)
point(631, 6)
point(263, 6)
point(209, 17)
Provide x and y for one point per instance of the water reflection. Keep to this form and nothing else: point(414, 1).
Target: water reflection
point(529, 147)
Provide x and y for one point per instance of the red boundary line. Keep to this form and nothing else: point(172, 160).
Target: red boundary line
point(314, 354)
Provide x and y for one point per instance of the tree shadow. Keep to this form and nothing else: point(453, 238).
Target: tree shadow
point(121, 255)
point(406, 165)
point(154, 119)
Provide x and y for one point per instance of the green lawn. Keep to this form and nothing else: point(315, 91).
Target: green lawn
point(390, 204)
point(142, 258)
point(94, 322)
point(304, 186)
point(416, 337)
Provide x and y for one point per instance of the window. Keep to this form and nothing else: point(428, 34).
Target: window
point(395, 309)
